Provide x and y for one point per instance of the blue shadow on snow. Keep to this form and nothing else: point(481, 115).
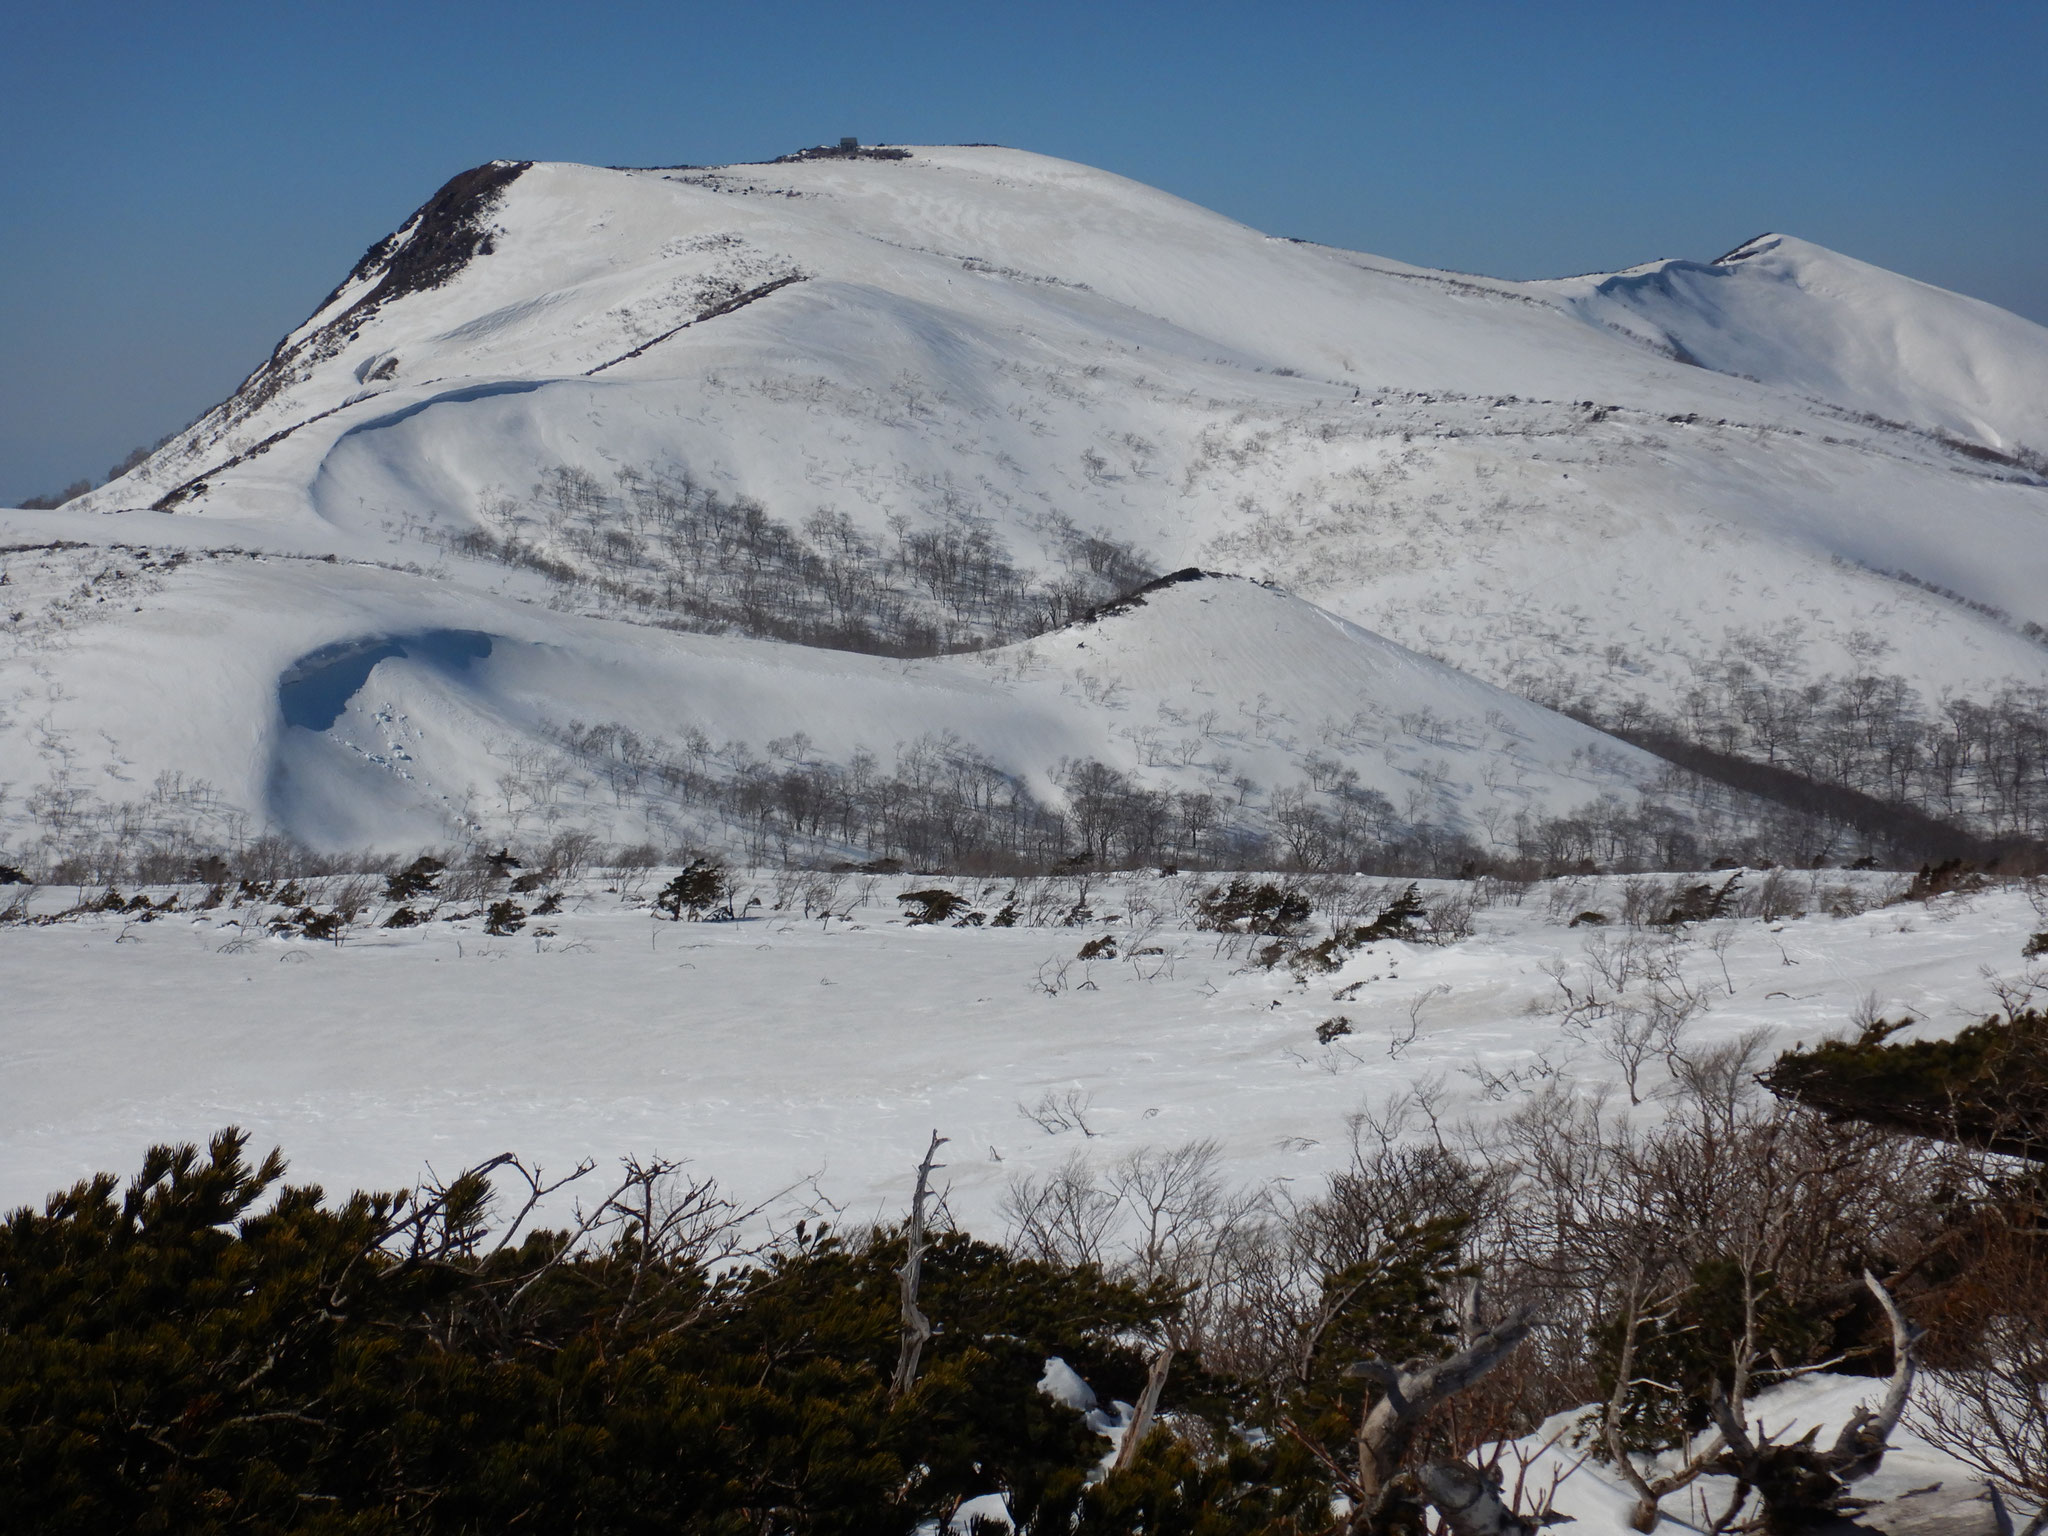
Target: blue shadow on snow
point(316, 688)
point(448, 397)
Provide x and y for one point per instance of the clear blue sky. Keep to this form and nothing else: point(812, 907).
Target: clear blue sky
point(182, 183)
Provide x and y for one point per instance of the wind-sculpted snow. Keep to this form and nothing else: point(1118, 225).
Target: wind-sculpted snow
point(450, 397)
point(319, 686)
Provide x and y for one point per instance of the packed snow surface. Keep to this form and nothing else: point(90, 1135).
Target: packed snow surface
point(788, 1048)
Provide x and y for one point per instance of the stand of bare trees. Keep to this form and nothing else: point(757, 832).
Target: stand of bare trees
point(1450, 1291)
point(660, 545)
point(1979, 763)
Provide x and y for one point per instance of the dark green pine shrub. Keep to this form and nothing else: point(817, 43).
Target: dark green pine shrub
point(415, 880)
point(1245, 906)
point(505, 918)
point(1987, 1087)
point(212, 1350)
point(701, 890)
point(1699, 903)
point(1396, 920)
point(921, 908)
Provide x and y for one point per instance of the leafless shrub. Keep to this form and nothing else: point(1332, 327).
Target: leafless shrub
point(1868, 1014)
point(567, 854)
point(1837, 898)
point(1060, 1110)
point(1153, 1212)
point(1063, 1218)
point(1502, 890)
point(1051, 976)
point(1645, 900)
point(1400, 1037)
point(1628, 1041)
point(353, 895)
point(819, 894)
point(1038, 903)
point(1333, 896)
point(1568, 896)
point(1719, 1074)
point(628, 869)
point(468, 879)
point(1178, 1208)
point(1631, 996)
point(1450, 913)
point(2035, 888)
point(1990, 1411)
point(1775, 898)
point(276, 858)
point(1619, 1223)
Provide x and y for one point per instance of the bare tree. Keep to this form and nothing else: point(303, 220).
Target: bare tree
point(1147, 1409)
point(1408, 1393)
point(1991, 1409)
point(1649, 1491)
point(1797, 1480)
point(917, 1328)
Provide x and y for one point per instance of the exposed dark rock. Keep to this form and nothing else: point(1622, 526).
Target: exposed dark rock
point(440, 239)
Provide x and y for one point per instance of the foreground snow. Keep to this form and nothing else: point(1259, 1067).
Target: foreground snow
point(804, 1060)
point(791, 1053)
point(1918, 1488)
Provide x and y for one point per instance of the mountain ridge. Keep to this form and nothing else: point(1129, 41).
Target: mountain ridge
point(949, 401)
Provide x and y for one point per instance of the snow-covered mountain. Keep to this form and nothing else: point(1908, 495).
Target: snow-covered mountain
point(954, 396)
point(1791, 314)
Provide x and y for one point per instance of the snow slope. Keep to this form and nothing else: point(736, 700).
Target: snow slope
point(356, 706)
point(1786, 312)
point(990, 336)
point(1520, 480)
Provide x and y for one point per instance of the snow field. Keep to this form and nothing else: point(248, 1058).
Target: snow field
point(814, 1056)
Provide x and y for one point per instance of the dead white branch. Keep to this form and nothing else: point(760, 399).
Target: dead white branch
point(917, 1328)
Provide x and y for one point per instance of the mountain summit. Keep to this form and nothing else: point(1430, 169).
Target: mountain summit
point(945, 400)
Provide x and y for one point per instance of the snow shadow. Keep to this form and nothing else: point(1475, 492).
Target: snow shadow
point(316, 688)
